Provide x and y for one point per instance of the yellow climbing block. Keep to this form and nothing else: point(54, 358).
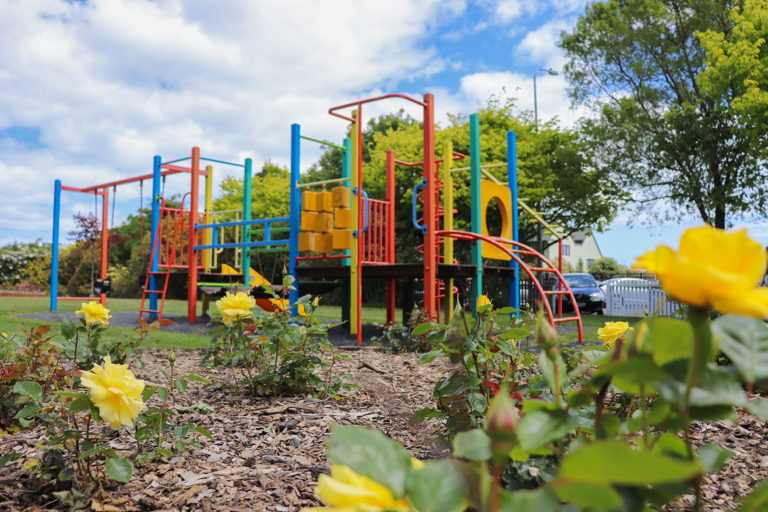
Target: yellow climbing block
point(324, 223)
point(309, 201)
point(340, 197)
point(342, 239)
point(490, 191)
point(306, 241)
point(323, 243)
point(325, 202)
point(342, 218)
point(308, 221)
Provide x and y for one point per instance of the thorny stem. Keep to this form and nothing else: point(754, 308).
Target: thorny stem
point(698, 317)
point(644, 413)
point(600, 401)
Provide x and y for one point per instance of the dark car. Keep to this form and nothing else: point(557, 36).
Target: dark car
point(589, 297)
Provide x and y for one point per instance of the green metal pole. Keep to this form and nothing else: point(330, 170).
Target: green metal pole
point(346, 172)
point(246, 259)
point(474, 183)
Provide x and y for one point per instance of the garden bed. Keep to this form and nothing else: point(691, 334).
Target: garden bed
point(267, 453)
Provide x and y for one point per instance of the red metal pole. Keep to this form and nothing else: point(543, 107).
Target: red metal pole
point(559, 284)
point(430, 252)
point(191, 259)
point(104, 241)
point(390, 245)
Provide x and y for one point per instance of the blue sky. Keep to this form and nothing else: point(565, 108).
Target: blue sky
point(93, 90)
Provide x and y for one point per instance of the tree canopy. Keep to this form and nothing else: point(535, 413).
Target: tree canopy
point(674, 144)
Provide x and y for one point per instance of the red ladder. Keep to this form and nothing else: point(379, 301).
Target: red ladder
point(170, 261)
point(514, 249)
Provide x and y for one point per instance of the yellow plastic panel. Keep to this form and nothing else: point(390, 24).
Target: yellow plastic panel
point(342, 218)
point(309, 201)
point(323, 243)
point(503, 197)
point(324, 223)
point(306, 241)
point(342, 239)
point(325, 202)
point(308, 221)
point(340, 197)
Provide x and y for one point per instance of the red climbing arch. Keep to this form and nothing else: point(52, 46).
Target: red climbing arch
point(516, 249)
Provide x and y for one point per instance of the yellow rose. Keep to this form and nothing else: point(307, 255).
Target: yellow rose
point(483, 301)
point(712, 268)
point(348, 491)
point(235, 307)
point(94, 313)
point(115, 391)
point(612, 332)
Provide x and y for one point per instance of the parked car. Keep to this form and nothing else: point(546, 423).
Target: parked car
point(587, 293)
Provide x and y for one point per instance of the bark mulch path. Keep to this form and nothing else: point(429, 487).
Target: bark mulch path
point(267, 453)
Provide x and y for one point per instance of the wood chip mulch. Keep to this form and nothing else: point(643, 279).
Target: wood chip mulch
point(267, 453)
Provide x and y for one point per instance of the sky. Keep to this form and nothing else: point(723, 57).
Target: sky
point(93, 90)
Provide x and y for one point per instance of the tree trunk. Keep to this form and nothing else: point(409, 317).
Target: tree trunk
point(720, 217)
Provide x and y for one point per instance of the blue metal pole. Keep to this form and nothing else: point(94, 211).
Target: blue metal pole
point(293, 248)
point(346, 172)
point(246, 256)
point(474, 183)
point(514, 285)
point(55, 246)
point(156, 181)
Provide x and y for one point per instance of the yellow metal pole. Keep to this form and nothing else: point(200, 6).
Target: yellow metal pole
point(353, 275)
point(448, 219)
point(208, 235)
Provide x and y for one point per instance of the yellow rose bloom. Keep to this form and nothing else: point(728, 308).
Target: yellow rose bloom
point(115, 391)
point(235, 307)
point(712, 268)
point(483, 301)
point(348, 491)
point(94, 313)
point(612, 332)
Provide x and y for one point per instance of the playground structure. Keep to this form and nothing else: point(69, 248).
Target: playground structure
point(358, 229)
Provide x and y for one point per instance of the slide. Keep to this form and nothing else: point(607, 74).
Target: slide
point(258, 280)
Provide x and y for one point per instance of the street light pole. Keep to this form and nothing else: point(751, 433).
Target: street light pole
point(551, 72)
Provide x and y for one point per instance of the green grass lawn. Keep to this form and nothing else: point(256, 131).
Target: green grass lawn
point(11, 324)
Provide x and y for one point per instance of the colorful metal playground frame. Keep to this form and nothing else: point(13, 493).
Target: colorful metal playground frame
point(372, 252)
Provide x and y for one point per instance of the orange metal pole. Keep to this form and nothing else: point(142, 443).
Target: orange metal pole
point(360, 224)
point(104, 241)
point(191, 238)
point(390, 243)
point(430, 249)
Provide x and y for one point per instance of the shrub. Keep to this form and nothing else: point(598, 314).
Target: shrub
point(15, 257)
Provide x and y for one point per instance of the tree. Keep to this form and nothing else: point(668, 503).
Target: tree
point(606, 268)
point(740, 62)
point(636, 63)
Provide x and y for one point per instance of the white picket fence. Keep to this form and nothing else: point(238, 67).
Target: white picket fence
point(631, 299)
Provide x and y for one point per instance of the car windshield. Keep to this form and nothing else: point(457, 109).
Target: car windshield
point(581, 281)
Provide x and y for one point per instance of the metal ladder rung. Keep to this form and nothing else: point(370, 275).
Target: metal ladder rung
point(568, 319)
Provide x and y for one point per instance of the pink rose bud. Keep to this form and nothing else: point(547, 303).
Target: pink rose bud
point(501, 418)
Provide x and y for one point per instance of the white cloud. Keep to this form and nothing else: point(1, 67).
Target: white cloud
point(539, 46)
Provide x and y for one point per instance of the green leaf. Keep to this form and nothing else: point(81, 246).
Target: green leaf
point(542, 426)
point(68, 329)
point(180, 384)
point(540, 500)
point(473, 445)
point(95, 414)
point(27, 411)
point(612, 462)
point(181, 431)
point(630, 373)
point(713, 457)
point(437, 487)
point(371, 453)
point(477, 401)
point(198, 378)
point(147, 394)
point(5, 458)
point(203, 408)
point(422, 414)
point(508, 310)
point(120, 469)
point(592, 495)
point(759, 408)
point(79, 404)
point(430, 356)
point(423, 329)
point(162, 393)
point(30, 389)
point(745, 341)
point(547, 367)
point(757, 500)
point(717, 386)
point(202, 431)
point(70, 394)
point(670, 339)
point(514, 333)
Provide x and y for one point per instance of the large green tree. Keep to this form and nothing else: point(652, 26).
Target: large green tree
point(636, 64)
